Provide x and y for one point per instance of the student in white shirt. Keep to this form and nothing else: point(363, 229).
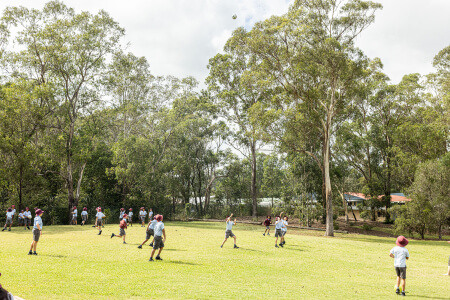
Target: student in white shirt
point(37, 231)
point(27, 218)
point(284, 230)
point(84, 216)
point(9, 219)
point(149, 233)
point(21, 219)
point(121, 213)
point(229, 232)
point(130, 216)
point(142, 215)
point(400, 255)
point(99, 220)
point(150, 215)
point(279, 225)
point(158, 240)
point(74, 215)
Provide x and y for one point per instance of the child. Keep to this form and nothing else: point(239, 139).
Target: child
point(84, 216)
point(95, 224)
point(149, 233)
point(74, 215)
point(37, 231)
point(400, 255)
point(267, 223)
point(142, 215)
point(228, 231)
point(158, 240)
point(4, 294)
point(13, 207)
point(27, 217)
point(150, 215)
point(99, 220)
point(9, 219)
point(278, 232)
point(123, 226)
point(21, 219)
point(130, 216)
point(122, 212)
point(284, 230)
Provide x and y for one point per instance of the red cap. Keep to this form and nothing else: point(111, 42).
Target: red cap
point(122, 208)
point(39, 212)
point(402, 241)
point(130, 209)
point(74, 207)
point(85, 208)
point(142, 208)
point(99, 209)
point(13, 206)
point(125, 215)
point(159, 218)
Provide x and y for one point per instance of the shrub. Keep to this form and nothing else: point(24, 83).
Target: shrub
point(367, 227)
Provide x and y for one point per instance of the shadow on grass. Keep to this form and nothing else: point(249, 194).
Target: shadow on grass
point(174, 250)
point(391, 240)
point(179, 262)
point(252, 250)
point(54, 255)
point(427, 297)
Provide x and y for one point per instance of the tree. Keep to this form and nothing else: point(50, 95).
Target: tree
point(309, 55)
point(64, 52)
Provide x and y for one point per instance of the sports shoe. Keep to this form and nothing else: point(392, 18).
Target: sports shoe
point(276, 246)
point(140, 247)
point(151, 245)
point(28, 227)
point(264, 234)
point(29, 253)
point(397, 291)
point(4, 229)
point(281, 245)
point(112, 235)
point(34, 253)
point(100, 232)
point(221, 246)
point(151, 259)
point(403, 293)
point(9, 229)
point(24, 228)
point(268, 234)
point(124, 242)
point(158, 258)
point(236, 247)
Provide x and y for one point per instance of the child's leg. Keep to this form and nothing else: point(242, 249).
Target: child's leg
point(403, 284)
point(144, 242)
point(224, 241)
point(32, 245)
point(35, 246)
point(398, 281)
point(124, 238)
point(159, 252)
point(153, 253)
point(234, 237)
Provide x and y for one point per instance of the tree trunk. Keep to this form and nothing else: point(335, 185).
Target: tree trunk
point(69, 180)
point(387, 192)
point(77, 195)
point(20, 186)
point(253, 188)
point(326, 169)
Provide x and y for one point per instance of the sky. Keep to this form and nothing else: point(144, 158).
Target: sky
point(178, 37)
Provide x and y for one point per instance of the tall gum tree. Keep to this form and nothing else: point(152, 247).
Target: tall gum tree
point(309, 54)
point(66, 52)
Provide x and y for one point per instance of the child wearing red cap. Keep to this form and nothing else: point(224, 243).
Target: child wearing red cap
point(74, 216)
point(158, 240)
point(37, 231)
point(123, 226)
point(149, 233)
point(267, 223)
point(84, 216)
point(9, 219)
point(99, 219)
point(130, 217)
point(122, 212)
point(400, 255)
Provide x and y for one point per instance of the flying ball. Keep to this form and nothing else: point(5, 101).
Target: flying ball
point(234, 17)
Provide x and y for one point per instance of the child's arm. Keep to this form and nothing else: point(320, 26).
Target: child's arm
point(391, 255)
point(234, 221)
point(281, 214)
point(164, 234)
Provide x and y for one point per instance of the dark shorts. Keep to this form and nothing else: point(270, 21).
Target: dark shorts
point(142, 218)
point(401, 272)
point(283, 232)
point(99, 222)
point(278, 233)
point(158, 242)
point(122, 232)
point(74, 218)
point(84, 218)
point(27, 221)
point(149, 233)
point(21, 221)
point(9, 221)
point(36, 234)
point(267, 227)
point(229, 233)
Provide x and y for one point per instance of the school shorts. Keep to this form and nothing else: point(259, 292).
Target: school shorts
point(36, 234)
point(149, 233)
point(99, 222)
point(158, 242)
point(278, 233)
point(9, 221)
point(84, 218)
point(401, 272)
point(267, 227)
point(142, 218)
point(229, 233)
point(283, 232)
point(21, 221)
point(122, 232)
point(27, 221)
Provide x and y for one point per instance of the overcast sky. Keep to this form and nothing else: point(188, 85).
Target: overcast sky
point(179, 36)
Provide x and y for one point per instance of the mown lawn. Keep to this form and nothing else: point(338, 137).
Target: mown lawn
point(76, 263)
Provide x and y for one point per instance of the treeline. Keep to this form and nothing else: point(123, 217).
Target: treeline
point(83, 122)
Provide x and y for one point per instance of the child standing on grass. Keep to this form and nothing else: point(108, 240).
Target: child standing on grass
point(21, 219)
point(99, 220)
point(27, 218)
point(150, 215)
point(158, 239)
point(84, 216)
point(37, 231)
point(284, 230)
point(122, 212)
point(130, 216)
point(13, 207)
point(149, 233)
point(267, 223)
point(9, 216)
point(74, 215)
point(123, 226)
point(142, 215)
point(400, 255)
point(278, 232)
point(229, 232)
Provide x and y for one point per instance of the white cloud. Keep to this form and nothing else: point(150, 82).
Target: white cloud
point(178, 37)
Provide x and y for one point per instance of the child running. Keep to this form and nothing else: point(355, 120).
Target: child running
point(84, 216)
point(130, 217)
point(278, 232)
point(27, 218)
point(37, 231)
point(267, 223)
point(158, 240)
point(149, 232)
point(99, 220)
point(229, 232)
point(74, 215)
point(142, 215)
point(400, 255)
point(9, 219)
point(123, 226)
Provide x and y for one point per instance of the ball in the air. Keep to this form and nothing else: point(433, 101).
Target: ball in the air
point(234, 17)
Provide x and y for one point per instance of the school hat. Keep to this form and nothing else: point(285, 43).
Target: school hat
point(21, 211)
point(74, 207)
point(39, 211)
point(142, 208)
point(122, 208)
point(402, 241)
point(159, 218)
point(125, 215)
point(130, 209)
point(26, 208)
point(13, 206)
point(85, 208)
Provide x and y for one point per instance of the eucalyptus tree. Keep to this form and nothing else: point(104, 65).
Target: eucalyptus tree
point(310, 56)
point(66, 53)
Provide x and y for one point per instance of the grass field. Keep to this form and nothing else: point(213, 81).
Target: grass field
point(75, 263)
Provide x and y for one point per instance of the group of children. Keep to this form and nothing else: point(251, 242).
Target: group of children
point(281, 224)
point(24, 218)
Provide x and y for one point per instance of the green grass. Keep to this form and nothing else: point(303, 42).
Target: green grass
point(75, 263)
